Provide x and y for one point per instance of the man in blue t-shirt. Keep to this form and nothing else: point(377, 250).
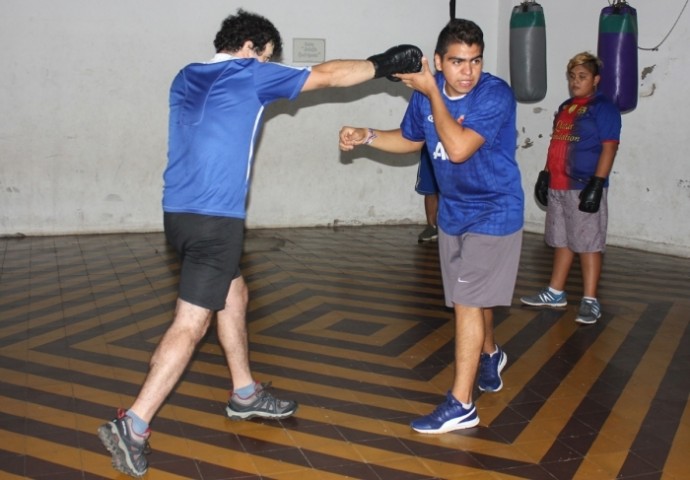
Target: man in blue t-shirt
point(216, 111)
point(466, 120)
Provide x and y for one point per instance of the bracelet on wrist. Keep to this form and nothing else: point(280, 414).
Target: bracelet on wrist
point(370, 137)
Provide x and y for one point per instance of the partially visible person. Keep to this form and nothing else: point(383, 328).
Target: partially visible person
point(574, 187)
point(426, 185)
point(466, 118)
point(216, 111)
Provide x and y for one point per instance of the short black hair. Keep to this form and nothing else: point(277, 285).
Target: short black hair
point(243, 26)
point(459, 30)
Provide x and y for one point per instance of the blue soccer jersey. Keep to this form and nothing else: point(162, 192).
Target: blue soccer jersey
point(216, 112)
point(580, 127)
point(483, 194)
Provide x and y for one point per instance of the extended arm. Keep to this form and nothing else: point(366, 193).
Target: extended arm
point(346, 73)
point(339, 73)
point(390, 141)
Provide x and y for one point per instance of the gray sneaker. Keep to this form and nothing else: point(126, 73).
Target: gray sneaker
point(589, 313)
point(264, 405)
point(128, 449)
point(429, 234)
point(546, 298)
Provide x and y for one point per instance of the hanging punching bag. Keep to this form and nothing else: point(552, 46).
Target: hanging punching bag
point(528, 52)
point(617, 49)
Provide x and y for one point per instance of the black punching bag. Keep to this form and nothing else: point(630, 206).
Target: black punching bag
point(617, 50)
point(528, 52)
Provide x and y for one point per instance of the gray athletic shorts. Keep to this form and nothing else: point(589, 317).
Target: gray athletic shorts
point(479, 270)
point(210, 249)
point(567, 226)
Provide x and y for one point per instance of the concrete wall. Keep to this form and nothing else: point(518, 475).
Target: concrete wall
point(84, 101)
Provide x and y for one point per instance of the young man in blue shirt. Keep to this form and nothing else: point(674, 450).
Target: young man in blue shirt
point(216, 111)
point(466, 119)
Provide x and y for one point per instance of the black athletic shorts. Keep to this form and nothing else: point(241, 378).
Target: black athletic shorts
point(210, 249)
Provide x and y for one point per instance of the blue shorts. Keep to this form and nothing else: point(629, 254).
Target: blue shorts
point(210, 249)
point(426, 182)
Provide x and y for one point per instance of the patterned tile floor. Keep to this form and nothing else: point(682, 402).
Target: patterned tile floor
point(350, 322)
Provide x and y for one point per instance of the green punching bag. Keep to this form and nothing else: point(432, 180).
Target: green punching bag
point(528, 52)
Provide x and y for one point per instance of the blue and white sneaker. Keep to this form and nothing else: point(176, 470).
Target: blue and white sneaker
point(490, 367)
point(448, 416)
point(590, 311)
point(545, 298)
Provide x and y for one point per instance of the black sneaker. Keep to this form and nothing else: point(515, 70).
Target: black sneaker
point(429, 234)
point(264, 405)
point(128, 449)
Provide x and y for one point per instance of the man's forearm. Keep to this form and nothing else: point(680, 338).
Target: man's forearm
point(339, 73)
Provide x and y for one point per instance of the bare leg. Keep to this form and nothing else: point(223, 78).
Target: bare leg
point(431, 208)
point(171, 357)
point(562, 261)
point(469, 339)
point(591, 271)
point(232, 333)
point(489, 345)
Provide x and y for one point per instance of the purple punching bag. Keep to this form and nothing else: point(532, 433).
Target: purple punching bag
point(617, 49)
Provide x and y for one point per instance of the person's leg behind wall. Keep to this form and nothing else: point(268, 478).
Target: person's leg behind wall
point(426, 185)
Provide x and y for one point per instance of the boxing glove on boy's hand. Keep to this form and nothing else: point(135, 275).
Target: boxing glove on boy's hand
point(541, 188)
point(590, 196)
point(398, 59)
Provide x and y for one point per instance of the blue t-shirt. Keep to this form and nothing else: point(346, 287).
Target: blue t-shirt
point(216, 112)
point(483, 194)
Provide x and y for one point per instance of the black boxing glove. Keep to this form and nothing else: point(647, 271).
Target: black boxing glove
point(541, 188)
point(398, 59)
point(590, 196)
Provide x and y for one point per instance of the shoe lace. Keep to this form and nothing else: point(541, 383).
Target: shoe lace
point(441, 409)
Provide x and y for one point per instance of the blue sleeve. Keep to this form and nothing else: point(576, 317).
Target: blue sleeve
point(275, 81)
point(412, 124)
point(608, 119)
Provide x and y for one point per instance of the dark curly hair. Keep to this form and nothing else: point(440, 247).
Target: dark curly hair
point(237, 29)
point(459, 30)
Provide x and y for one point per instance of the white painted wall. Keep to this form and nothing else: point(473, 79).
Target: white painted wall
point(84, 114)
